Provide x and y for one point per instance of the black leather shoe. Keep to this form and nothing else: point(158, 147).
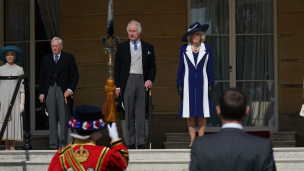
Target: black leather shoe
point(142, 146)
point(53, 148)
point(132, 146)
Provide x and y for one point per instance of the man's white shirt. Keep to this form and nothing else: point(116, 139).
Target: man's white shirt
point(232, 125)
point(138, 42)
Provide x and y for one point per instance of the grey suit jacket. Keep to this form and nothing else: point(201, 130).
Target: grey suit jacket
point(231, 150)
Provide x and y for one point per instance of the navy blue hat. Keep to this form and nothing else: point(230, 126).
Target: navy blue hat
point(194, 28)
point(87, 118)
point(19, 53)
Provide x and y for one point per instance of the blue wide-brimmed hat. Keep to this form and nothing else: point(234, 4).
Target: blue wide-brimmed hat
point(19, 53)
point(87, 118)
point(194, 28)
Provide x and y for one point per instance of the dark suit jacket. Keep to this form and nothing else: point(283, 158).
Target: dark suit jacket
point(123, 63)
point(231, 150)
point(67, 73)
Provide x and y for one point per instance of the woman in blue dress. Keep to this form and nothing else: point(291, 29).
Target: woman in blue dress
point(195, 79)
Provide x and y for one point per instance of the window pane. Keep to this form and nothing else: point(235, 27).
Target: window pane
point(217, 90)
point(255, 57)
point(220, 56)
point(261, 100)
point(16, 20)
point(254, 16)
point(25, 62)
point(214, 13)
point(40, 33)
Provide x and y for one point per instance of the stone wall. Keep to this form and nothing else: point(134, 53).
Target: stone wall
point(83, 23)
point(291, 66)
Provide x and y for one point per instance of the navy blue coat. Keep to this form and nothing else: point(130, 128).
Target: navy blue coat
point(194, 79)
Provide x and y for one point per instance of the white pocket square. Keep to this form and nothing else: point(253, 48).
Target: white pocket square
point(149, 52)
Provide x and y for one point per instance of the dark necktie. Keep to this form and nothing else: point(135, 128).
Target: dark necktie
point(56, 59)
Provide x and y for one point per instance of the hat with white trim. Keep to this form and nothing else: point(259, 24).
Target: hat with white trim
point(194, 28)
point(87, 118)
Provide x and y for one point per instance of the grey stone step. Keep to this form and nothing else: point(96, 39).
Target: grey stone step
point(17, 147)
point(38, 142)
point(24, 165)
point(182, 140)
point(176, 145)
point(159, 154)
point(283, 136)
point(296, 152)
point(185, 137)
point(178, 137)
point(284, 164)
point(155, 165)
point(291, 143)
point(286, 159)
point(184, 145)
point(31, 155)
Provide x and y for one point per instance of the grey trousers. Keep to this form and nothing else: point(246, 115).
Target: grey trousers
point(134, 102)
point(56, 109)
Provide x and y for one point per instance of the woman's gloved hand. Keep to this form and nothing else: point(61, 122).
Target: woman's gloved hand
point(210, 90)
point(113, 133)
point(22, 100)
point(180, 90)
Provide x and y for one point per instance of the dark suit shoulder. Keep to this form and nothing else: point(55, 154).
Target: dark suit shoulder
point(66, 54)
point(123, 43)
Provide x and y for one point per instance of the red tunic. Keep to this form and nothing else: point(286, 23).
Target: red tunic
point(84, 155)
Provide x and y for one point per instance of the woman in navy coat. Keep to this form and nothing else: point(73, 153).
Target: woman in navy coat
point(195, 79)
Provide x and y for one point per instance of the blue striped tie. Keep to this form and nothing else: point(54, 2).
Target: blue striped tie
point(56, 59)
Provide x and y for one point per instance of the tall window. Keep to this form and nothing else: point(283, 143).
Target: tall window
point(17, 28)
point(252, 66)
point(17, 33)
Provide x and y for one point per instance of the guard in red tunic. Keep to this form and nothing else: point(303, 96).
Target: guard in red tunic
point(84, 154)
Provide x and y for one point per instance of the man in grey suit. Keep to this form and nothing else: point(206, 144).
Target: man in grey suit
point(58, 78)
point(135, 70)
point(232, 149)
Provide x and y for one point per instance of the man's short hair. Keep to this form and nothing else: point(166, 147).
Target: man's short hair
point(57, 38)
point(233, 104)
point(134, 22)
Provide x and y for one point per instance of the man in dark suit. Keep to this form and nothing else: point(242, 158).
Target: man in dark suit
point(58, 74)
point(232, 149)
point(135, 70)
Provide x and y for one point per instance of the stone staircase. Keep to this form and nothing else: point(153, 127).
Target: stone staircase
point(287, 159)
point(40, 142)
point(182, 140)
point(283, 139)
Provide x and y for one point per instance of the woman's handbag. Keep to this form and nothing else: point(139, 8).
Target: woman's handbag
point(302, 111)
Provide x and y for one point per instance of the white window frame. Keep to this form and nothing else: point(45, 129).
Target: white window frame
point(232, 59)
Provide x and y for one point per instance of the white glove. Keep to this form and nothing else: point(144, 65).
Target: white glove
point(113, 131)
point(22, 102)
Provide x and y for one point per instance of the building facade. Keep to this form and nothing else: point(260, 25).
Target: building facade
point(256, 46)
